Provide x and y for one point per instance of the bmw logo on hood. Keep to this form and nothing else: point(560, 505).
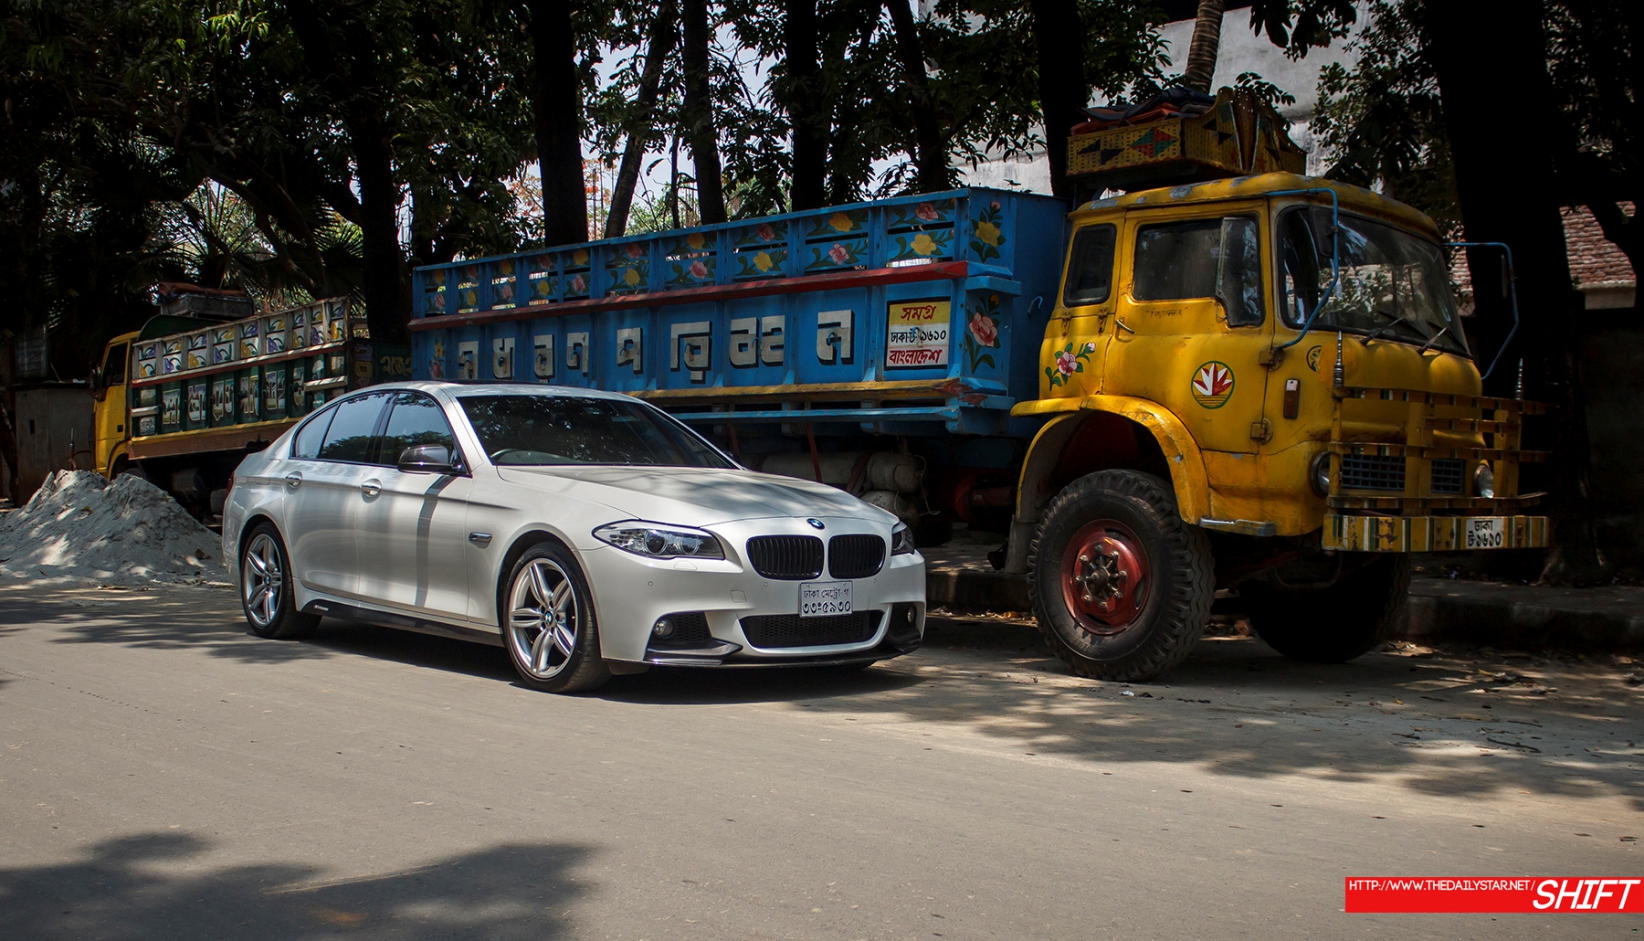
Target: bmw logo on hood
point(816, 524)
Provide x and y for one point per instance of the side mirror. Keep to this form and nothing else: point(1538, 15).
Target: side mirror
point(427, 459)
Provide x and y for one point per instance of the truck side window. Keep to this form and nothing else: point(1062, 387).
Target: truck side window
point(349, 437)
point(1090, 271)
point(115, 366)
point(1218, 258)
point(306, 445)
point(416, 419)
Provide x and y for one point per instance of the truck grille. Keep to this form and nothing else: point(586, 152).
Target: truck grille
point(855, 556)
point(1448, 475)
point(791, 630)
point(790, 558)
point(1372, 472)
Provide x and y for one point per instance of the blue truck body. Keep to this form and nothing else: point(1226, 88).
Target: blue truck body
point(763, 318)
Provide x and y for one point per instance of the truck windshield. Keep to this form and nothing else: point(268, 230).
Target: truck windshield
point(565, 429)
point(1393, 284)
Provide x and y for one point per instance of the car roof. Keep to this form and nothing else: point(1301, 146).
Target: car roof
point(459, 389)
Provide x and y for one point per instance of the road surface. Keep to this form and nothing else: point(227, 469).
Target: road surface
point(164, 775)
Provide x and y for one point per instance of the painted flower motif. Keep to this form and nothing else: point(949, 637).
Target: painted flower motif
point(699, 271)
point(579, 257)
point(839, 253)
point(994, 205)
point(765, 234)
point(579, 285)
point(925, 212)
point(923, 245)
point(696, 240)
point(984, 330)
point(840, 222)
point(762, 261)
point(1065, 363)
point(630, 277)
point(988, 233)
point(505, 291)
point(633, 249)
point(437, 300)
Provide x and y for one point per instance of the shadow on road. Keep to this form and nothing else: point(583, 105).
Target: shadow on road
point(131, 888)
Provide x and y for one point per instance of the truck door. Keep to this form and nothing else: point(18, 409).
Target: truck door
point(110, 427)
point(1190, 323)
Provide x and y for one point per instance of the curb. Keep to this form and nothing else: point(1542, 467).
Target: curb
point(1588, 620)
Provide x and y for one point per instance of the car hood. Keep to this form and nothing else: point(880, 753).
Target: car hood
point(695, 496)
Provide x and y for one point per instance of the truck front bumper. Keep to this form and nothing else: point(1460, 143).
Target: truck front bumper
point(1431, 533)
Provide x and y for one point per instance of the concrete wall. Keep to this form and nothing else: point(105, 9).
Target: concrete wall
point(47, 419)
point(1612, 365)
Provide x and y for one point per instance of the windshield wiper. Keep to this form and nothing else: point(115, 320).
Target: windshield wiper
point(1376, 335)
point(1433, 339)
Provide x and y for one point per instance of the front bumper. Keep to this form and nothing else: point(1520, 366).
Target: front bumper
point(1425, 533)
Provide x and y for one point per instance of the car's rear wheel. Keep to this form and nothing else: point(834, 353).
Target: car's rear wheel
point(266, 592)
point(549, 625)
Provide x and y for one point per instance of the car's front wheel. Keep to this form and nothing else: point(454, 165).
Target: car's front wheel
point(266, 592)
point(548, 623)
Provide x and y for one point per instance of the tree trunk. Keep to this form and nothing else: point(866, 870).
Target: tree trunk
point(357, 93)
point(8, 457)
point(930, 152)
point(1496, 206)
point(806, 109)
point(1207, 40)
point(555, 95)
point(664, 36)
point(1059, 39)
point(699, 115)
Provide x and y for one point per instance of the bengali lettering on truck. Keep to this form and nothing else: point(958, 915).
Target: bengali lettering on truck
point(917, 334)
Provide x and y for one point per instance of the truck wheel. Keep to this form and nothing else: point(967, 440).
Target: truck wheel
point(1335, 624)
point(1121, 586)
point(266, 593)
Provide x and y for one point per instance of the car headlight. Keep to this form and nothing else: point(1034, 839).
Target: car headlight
point(660, 540)
point(1319, 477)
point(1484, 481)
point(901, 540)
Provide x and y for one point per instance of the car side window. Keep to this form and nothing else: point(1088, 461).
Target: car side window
point(1090, 269)
point(306, 445)
point(1197, 258)
point(416, 419)
point(349, 438)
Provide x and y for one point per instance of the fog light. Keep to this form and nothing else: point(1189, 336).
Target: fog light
point(1484, 481)
point(662, 629)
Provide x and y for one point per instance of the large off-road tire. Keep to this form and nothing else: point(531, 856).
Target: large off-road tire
point(267, 595)
point(1335, 624)
point(1121, 586)
point(548, 623)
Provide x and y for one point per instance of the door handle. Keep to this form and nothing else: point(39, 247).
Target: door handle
point(293, 480)
point(371, 487)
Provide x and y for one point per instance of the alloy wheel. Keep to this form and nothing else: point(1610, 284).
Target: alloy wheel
point(262, 581)
point(543, 619)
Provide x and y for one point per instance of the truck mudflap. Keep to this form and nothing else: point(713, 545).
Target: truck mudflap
point(1433, 533)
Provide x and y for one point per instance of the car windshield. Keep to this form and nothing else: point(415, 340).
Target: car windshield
point(564, 429)
point(1394, 284)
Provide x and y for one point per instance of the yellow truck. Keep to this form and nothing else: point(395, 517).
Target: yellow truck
point(182, 400)
point(1250, 380)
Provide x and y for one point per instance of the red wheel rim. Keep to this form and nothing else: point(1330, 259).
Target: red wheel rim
point(1105, 577)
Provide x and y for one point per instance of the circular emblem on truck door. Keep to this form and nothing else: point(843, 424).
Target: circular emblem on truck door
point(1212, 385)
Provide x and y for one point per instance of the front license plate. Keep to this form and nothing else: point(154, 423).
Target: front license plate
point(1486, 532)
point(822, 599)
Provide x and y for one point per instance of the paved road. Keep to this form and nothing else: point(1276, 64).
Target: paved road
point(166, 776)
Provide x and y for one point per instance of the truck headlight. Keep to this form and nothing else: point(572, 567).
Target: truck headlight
point(901, 540)
point(660, 540)
point(1319, 476)
point(1484, 480)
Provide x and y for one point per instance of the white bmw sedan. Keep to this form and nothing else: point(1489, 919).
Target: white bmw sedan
point(587, 533)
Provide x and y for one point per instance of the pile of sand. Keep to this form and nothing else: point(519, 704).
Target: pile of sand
point(82, 528)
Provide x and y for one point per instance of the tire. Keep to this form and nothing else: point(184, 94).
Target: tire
point(1335, 624)
point(267, 595)
point(548, 623)
point(1121, 586)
